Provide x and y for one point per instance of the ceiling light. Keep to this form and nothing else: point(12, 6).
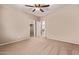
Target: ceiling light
point(37, 8)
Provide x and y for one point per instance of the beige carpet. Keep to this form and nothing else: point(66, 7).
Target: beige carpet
point(40, 46)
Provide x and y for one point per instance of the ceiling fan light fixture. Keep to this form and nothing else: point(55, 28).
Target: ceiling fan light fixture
point(37, 8)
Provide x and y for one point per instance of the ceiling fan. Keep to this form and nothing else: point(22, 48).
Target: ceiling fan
point(38, 7)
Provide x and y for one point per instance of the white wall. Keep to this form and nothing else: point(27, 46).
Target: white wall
point(14, 24)
point(63, 25)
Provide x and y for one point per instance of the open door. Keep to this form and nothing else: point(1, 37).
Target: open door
point(31, 30)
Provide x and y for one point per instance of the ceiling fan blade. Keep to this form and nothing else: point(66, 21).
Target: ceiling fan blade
point(33, 10)
point(29, 6)
point(41, 10)
point(35, 5)
point(45, 6)
point(39, 5)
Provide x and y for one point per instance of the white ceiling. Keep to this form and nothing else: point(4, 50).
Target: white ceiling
point(48, 10)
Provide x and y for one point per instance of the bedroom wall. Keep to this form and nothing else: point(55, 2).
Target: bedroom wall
point(14, 24)
point(63, 25)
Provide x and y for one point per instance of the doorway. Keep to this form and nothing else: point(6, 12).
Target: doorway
point(40, 28)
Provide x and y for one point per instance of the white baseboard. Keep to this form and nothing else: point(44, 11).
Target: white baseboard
point(17, 40)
